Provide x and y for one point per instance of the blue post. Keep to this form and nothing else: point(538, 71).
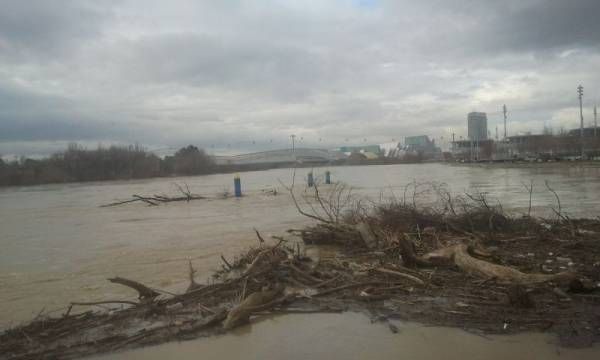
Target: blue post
point(311, 181)
point(327, 177)
point(237, 185)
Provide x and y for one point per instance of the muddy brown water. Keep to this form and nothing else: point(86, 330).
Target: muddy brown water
point(350, 336)
point(57, 245)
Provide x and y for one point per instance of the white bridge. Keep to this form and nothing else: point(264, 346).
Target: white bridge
point(301, 155)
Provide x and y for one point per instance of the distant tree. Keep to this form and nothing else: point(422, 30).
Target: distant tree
point(3, 172)
point(77, 163)
point(190, 160)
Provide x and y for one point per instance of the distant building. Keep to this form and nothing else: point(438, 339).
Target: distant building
point(421, 145)
point(420, 141)
point(477, 126)
point(283, 156)
point(587, 132)
point(375, 149)
point(469, 150)
point(545, 146)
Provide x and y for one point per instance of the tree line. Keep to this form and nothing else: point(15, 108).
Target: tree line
point(77, 163)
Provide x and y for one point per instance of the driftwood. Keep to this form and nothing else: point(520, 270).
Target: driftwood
point(266, 257)
point(459, 255)
point(144, 292)
point(155, 200)
point(240, 314)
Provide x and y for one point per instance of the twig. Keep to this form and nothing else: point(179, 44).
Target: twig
point(260, 238)
point(350, 286)
point(399, 274)
point(229, 267)
point(104, 303)
point(530, 190)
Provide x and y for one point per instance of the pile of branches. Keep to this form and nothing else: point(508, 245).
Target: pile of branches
point(256, 282)
point(184, 195)
point(155, 200)
point(469, 238)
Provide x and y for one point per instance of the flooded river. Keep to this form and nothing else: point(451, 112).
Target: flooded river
point(57, 245)
point(351, 336)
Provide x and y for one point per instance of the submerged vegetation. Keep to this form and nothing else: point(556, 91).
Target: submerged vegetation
point(112, 163)
point(425, 256)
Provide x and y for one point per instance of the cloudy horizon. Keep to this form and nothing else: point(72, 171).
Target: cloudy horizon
point(239, 76)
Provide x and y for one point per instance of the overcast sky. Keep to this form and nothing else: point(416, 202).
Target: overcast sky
point(234, 76)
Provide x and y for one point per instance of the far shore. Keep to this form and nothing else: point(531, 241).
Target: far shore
point(232, 169)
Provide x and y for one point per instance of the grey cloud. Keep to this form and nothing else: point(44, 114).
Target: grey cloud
point(37, 30)
point(546, 25)
point(286, 72)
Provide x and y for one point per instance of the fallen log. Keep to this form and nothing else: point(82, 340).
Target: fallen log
point(459, 256)
point(240, 314)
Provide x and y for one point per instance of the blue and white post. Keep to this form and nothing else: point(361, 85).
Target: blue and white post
point(327, 177)
point(237, 185)
point(311, 180)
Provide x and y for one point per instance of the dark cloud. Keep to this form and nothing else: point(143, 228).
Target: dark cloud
point(552, 24)
point(34, 117)
point(40, 30)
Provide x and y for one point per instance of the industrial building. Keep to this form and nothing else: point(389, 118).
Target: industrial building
point(469, 150)
point(421, 145)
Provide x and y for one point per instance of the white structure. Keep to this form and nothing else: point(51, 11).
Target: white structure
point(281, 156)
point(477, 126)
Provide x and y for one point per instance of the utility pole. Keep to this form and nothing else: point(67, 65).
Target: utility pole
point(595, 121)
point(504, 111)
point(293, 142)
point(580, 92)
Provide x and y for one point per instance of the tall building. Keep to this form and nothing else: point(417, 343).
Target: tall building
point(477, 123)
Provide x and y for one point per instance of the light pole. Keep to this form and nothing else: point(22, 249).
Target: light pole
point(580, 92)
